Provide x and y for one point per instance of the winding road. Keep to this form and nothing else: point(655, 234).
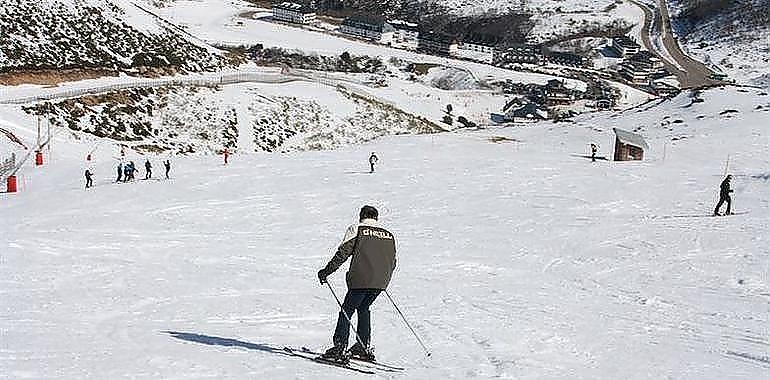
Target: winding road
point(690, 72)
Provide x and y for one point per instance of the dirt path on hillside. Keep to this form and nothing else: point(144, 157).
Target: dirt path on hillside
point(53, 77)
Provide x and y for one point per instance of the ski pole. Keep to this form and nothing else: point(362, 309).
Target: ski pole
point(427, 352)
point(350, 322)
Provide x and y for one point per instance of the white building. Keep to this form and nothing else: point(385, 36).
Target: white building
point(478, 48)
point(368, 28)
point(406, 35)
point(625, 46)
point(294, 13)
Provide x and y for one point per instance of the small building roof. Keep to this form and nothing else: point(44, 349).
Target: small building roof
point(290, 6)
point(630, 138)
point(624, 41)
point(369, 23)
point(521, 49)
point(403, 25)
point(565, 57)
point(644, 56)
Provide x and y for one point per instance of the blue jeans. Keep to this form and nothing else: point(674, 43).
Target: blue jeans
point(356, 300)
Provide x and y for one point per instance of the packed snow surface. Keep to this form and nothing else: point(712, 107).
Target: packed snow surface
point(518, 258)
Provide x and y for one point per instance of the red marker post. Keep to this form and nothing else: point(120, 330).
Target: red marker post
point(11, 184)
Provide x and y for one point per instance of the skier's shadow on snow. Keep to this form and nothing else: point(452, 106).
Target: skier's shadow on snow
point(358, 172)
point(225, 342)
point(598, 158)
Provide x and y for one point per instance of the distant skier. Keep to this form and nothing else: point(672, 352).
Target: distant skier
point(167, 165)
point(89, 179)
point(373, 160)
point(226, 153)
point(147, 169)
point(594, 148)
point(120, 172)
point(373, 251)
point(724, 196)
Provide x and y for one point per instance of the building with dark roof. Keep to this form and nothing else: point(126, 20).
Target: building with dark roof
point(557, 93)
point(636, 73)
point(438, 44)
point(625, 46)
point(566, 59)
point(645, 59)
point(369, 28)
point(519, 54)
point(294, 13)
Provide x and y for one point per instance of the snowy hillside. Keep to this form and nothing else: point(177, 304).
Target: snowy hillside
point(94, 34)
point(518, 258)
point(733, 35)
point(242, 118)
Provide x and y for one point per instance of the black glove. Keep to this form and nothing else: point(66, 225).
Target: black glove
point(322, 274)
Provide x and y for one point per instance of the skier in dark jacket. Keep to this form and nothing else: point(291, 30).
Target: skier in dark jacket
point(373, 160)
point(120, 172)
point(167, 165)
point(594, 148)
point(373, 252)
point(147, 169)
point(129, 172)
point(89, 179)
point(724, 196)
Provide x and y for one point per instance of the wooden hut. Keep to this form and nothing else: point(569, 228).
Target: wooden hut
point(629, 146)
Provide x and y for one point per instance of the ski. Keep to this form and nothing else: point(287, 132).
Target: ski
point(292, 352)
point(374, 364)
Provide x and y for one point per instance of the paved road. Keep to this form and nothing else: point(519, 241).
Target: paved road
point(692, 73)
point(697, 74)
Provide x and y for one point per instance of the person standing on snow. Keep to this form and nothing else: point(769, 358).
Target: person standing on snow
point(147, 169)
point(724, 196)
point(373, 252)
point(120, 172)
point(167, 165)
point(373, 160)
point(89, 179)
point(594, 148)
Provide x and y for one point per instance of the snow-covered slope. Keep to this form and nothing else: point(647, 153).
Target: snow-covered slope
point(517, 258)
point(94, 34)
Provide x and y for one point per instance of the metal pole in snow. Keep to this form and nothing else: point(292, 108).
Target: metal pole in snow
point(427, 352)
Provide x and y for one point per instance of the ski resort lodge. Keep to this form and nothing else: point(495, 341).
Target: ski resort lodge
point(438, 44)
point(480, 48)
point(629, 146)
point(625, 46)
point(406, 34)
point(294, 13)
point(368, 28)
